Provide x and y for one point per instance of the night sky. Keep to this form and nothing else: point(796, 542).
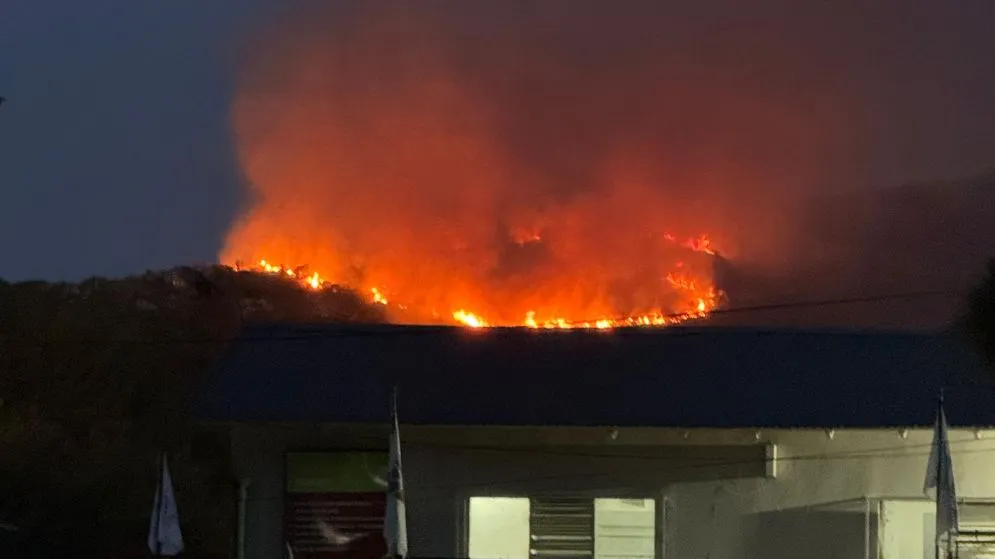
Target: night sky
point(116, 153)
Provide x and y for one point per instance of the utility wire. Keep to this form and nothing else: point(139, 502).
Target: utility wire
point(781, 306)
point(841, 301)
point(351, 329)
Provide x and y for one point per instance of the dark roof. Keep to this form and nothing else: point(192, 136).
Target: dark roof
point(677, 377)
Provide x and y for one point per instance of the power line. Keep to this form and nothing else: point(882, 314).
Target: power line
point(349, 328)
point(797, 304)
point(841, 301)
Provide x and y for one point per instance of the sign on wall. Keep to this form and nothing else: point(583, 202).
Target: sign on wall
point(335, 504)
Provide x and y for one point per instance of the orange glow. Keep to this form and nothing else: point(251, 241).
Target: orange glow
point(701, 244)
point(469, 319)
point(699, 301)
point(378, 297)
point(441, 190)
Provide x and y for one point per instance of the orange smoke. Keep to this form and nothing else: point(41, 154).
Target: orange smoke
point(456, 170)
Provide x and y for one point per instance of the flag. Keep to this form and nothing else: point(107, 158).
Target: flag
point(395, 529)
point(165, 537)
point(940, 476)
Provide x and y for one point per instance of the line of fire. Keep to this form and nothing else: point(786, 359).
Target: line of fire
point(679, 290)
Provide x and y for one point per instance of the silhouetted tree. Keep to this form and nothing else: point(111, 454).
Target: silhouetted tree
point(97, 377)
point(979, 319)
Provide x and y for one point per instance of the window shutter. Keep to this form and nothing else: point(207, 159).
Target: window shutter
point(561, 528)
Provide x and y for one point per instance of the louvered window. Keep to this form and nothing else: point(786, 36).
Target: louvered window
point(562, 528)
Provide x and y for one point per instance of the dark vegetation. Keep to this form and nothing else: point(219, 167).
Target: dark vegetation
point(979, 318)
point(97, 377)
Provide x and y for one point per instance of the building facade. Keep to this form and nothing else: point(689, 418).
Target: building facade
point(780, 445)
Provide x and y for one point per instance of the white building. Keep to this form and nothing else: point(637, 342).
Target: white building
point(676, 443)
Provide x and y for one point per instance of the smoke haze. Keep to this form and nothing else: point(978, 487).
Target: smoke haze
point(514, 156)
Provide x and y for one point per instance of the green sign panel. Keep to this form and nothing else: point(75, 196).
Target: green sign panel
point(336, 472)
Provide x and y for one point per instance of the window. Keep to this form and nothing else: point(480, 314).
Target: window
point(335, 504)
point(624, 528)
point(561, 528)
point(499, 528)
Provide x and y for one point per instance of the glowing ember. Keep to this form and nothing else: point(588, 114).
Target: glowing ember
point(378, 297)
point(699, 298)
point(312, 281)
point(469, 319)
point(700, 244)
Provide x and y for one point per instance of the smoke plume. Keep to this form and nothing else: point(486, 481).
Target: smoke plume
point(506, 157)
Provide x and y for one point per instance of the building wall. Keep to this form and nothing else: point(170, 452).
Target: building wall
point(717, 497)
point(815, 506)
point(900, 522)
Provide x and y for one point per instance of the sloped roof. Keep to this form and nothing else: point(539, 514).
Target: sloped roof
point(675, 377)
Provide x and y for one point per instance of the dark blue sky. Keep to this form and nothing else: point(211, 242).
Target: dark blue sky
point(114, 144)
point(116, 156)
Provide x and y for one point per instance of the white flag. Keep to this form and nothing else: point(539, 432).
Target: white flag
point(940, 476)
point(395, 528)
point(165, 537)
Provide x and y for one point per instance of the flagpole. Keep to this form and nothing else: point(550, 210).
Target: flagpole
point(944, 482)
point(160, 492)
point(940, 465)
point(395, 521)
point(394, 431)
point(393, 406)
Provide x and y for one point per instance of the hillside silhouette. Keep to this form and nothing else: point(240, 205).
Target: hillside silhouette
point(97, 377)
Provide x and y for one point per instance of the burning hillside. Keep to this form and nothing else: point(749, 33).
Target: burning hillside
point(686, 292)
point(460, 170)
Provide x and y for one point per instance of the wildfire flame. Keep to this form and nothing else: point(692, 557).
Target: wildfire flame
point(487, 187)
point(378, 297)
point(469, 319)
point(700, 299)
